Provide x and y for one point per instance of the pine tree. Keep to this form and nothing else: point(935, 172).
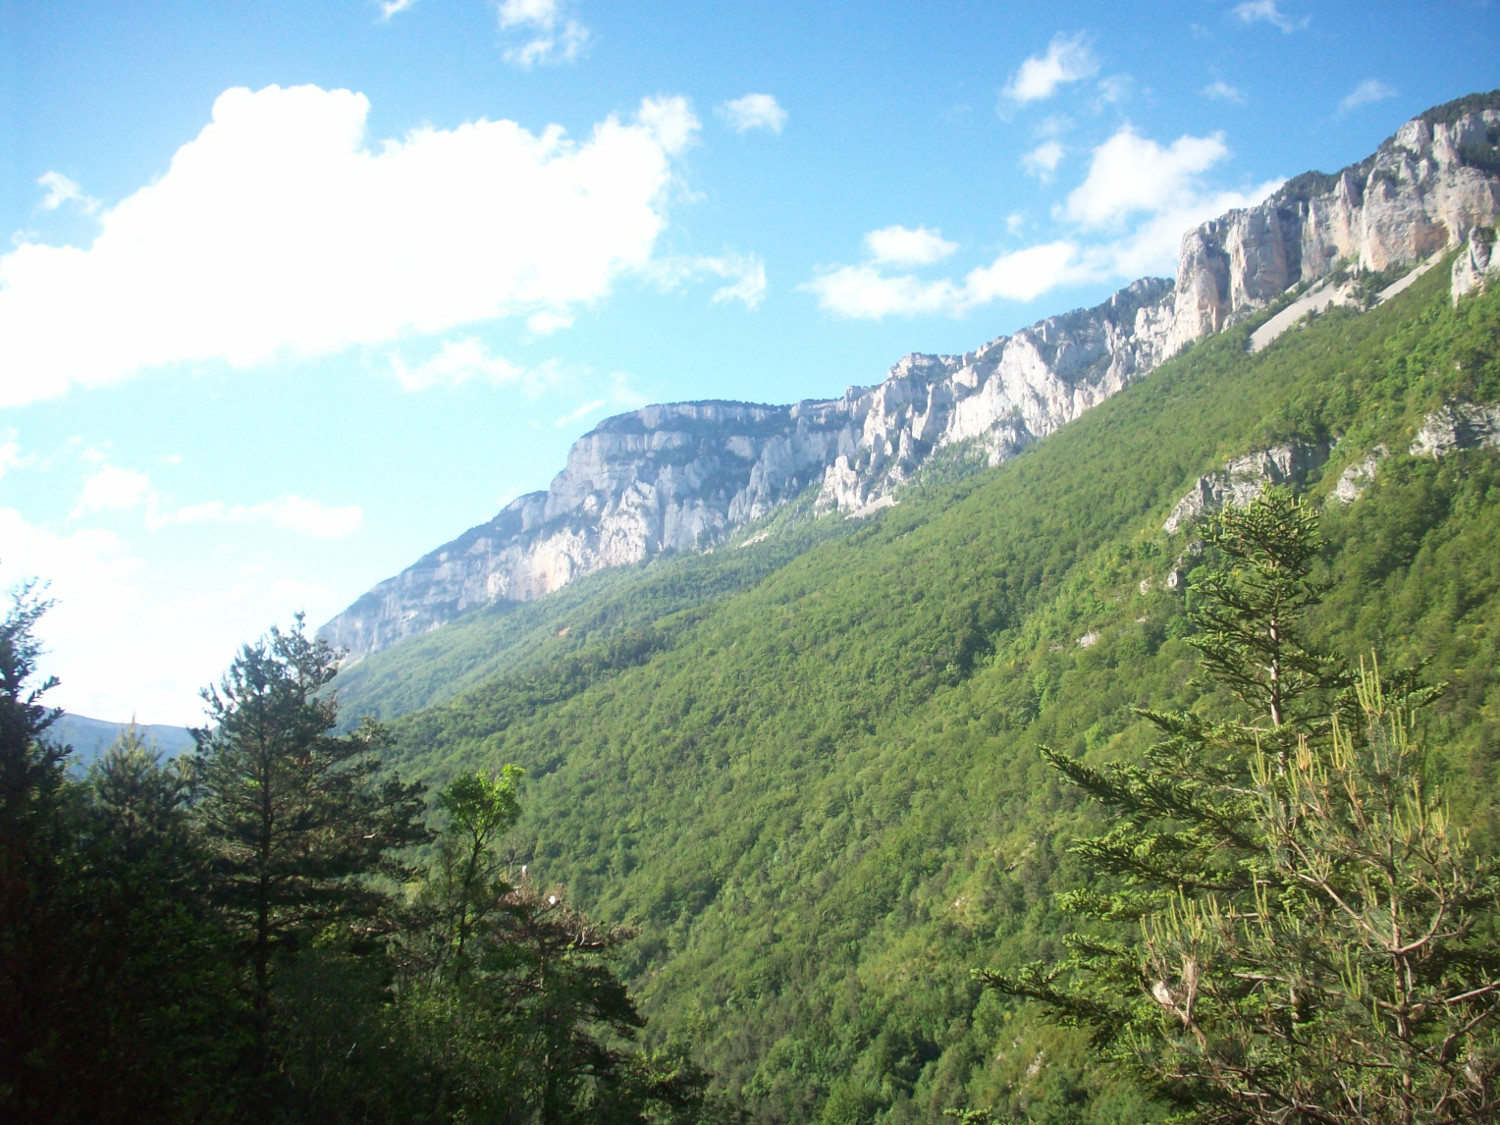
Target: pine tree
point(1292, 930)
point(297, 820)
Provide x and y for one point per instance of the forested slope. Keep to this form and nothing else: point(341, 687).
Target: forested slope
point(816, 792)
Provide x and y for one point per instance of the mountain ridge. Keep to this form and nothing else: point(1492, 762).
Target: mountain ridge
point(684, 476)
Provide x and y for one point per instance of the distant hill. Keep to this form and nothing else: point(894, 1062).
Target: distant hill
point(91, 737)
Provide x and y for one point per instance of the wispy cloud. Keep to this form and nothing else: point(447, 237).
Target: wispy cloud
point(744, 275)
point(289, 513)
point(469, 360)
point(62, 190)
point(1268, 11)
point(389, 8)
point(1043, 160)
point(1221, 91)
point(1368, 91)
point(1068, 59)
point(754, 111)
point(582, 412)
point(550, 36)
point(283, 231)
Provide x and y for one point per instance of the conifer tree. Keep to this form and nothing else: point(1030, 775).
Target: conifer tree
point(1292, 930)
point(296, 818)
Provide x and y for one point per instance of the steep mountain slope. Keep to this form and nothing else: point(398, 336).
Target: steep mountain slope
point(818, 797)
point(683, 477)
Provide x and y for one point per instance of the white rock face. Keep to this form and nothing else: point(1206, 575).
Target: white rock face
point(1422, 192)
point(1456, 427)
point(1475, 264)
point(1358, 476)
point(682, 477)
point(1242, 478)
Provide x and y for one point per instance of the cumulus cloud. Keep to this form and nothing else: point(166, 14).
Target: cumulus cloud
point(282, 231)
point(549, 36)
point(288, 513)
point(1221, 91)
point(1129, 173)
point(1068, 59)
point(111, 488)
point(904, 246)
point(1127, 219)
point(1370, 90)
point(1267, 11)
point(62, 190)
point(754, 111)
point(1043, 160)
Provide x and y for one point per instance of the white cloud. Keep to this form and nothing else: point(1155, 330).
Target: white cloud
point(1127, 217)
point(1067, 60)
point(62, 190)
point(280, 230)
point(1130, 173)
point(10, 454)
point(1042, 161)
point(554, 37)
point(1221, 91)
point(389, 8)
point(456, 362)
point(670, 122)
point(1024, 274)
point(744, 275)
point(546, 322)
point(903, 246)
point(863, 292)
point(289, 513)
point(1370, 90)
point(1267, 11)
point(113, 489)
point(754, 111)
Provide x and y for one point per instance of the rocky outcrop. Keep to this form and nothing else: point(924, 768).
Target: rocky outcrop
point(1357, 477)
point(1421, 192)
point(1452, 429)
point(1475, 264)
point(1242, 478)
point(683, 477)
point(1457, 426)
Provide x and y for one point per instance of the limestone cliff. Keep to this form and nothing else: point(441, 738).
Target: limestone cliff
point(682, 477)
point(1421, 192)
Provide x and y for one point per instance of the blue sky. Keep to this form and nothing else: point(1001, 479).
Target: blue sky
point(293, 293)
